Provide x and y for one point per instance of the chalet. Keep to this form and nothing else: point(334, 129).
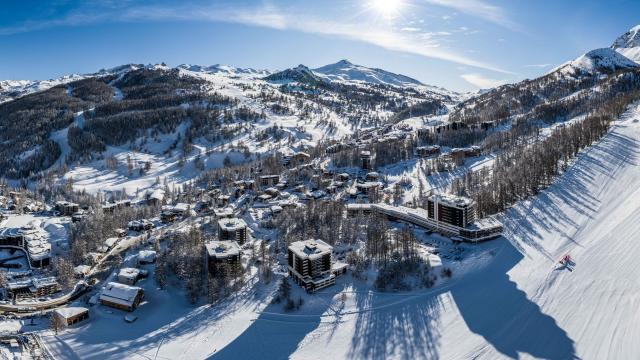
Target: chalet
point(155, 198)
point(81, 271)
point(112, 207)
point(296, 159)
point(425, 151)
point(93, 257)
point(128, 276)
point(146, 257)
point(44, 286)
point(223, 213)
point(168, 216)
point(269, 180)
point(309, 264)
point(232, 229)
point(369, 188)
point(272, 191)
point(335, 148)
point(203, 206)
point(78, 216)
point(121, 296)
point(68, 316)
point(214, 193)
point(140, 225)
point(222, 200)
point(15, 196)
point(263, 198)
point(18, 287)
point(66, 208)
point(372, 176)
point(282, 185)
point(472, 151)
point(110, 243)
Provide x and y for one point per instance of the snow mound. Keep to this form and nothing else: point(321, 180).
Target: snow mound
point(629, 44)
point(344, 70)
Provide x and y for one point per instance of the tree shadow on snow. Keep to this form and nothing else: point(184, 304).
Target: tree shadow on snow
point(409, 329)
point(276, 334)
point(490, 304)
point(493, 307)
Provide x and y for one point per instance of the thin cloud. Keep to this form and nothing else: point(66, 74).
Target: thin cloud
point(481, 81)
point(411, 42)
point(479, 9)
point(541, 66)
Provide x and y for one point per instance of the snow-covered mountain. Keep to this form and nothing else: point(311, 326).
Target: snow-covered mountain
point(629, 44)
point(299, 74)
point(11, 89)
point(224, 69)
point(596, 61)
point(344, 70)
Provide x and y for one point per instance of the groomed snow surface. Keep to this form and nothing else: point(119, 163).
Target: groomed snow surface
point(515, 301)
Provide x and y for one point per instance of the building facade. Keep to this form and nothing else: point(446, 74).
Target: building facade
point(232, 229)
point(310, 264)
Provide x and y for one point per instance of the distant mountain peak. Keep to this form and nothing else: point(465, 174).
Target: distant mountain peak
point(628, 44)
point(344, 62)
point(344, 70)
point(222, 68)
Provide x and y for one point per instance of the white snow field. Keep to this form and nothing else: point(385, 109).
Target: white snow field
point(509, 299)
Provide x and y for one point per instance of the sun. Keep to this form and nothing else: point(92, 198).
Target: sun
point(387, 7)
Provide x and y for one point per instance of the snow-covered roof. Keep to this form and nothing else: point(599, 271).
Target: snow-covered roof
point(310, 249)
point(82, 269)
point(129, 273)
point(181, 207)
point(146, 255)
point(45, 281)
point(485, 223)
point(369, 184)
point(120, 293)
point(70, 312)
point(224, 212)
point(110, 242)
point(222, 249)
point(157, 194)
point(232, 224)
point(355, 207)
point(451, 200)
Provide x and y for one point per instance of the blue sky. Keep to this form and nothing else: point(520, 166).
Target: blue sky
point(457, 44)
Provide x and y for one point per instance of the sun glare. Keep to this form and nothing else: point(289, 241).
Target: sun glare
point(387, 7)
